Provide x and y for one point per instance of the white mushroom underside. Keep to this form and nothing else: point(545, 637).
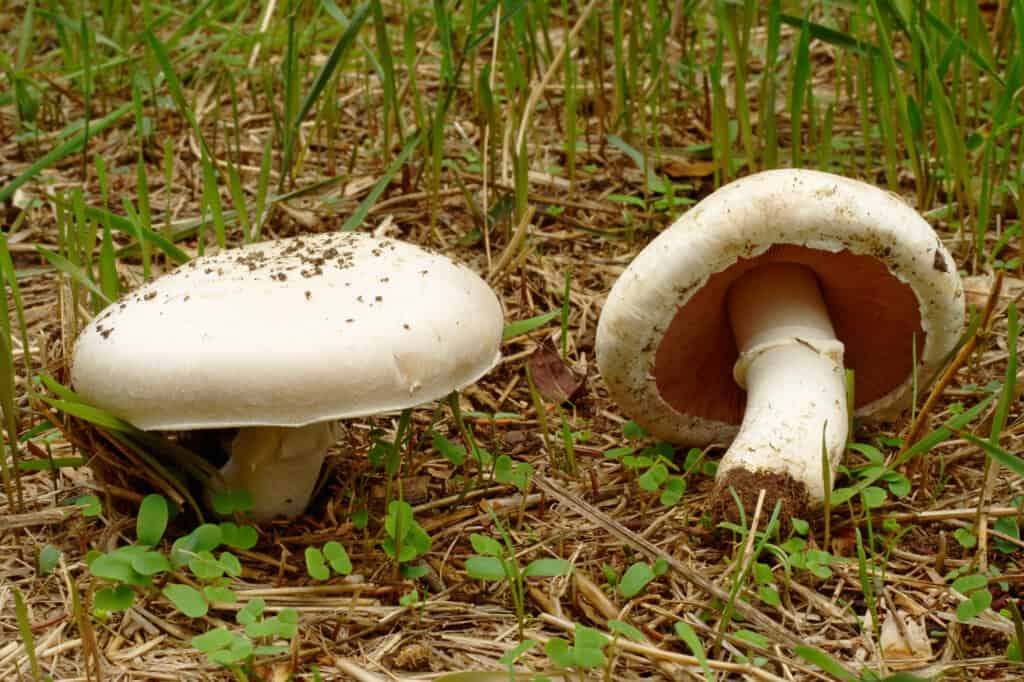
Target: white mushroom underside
point(745, 219)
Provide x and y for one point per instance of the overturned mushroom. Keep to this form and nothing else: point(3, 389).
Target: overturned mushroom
point(283, 338)
point(775, 284)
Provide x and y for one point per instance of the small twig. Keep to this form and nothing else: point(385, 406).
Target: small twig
point(359, 674)
point(513, 245)
point(264, 25)
point(946, 514)
point(901, 625)
point(42, 517)
point(748, 547)
point(746, 556)
point(484, 193)
point(556, 63)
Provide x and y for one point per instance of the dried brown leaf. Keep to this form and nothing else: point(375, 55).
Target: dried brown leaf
point(554, 380)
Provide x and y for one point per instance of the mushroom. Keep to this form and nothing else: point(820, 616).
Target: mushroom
point(737, 322)
point(281, 339)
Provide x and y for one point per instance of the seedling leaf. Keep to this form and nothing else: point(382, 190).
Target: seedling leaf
point(187, 599)
point(547, 568)
point(485, 568)
point(485, 545)
point(635, 579)
point(626, 630)
point(114, 598)
point(686, 633)
point(152, 520)
point(315, 565)
point(336, 555)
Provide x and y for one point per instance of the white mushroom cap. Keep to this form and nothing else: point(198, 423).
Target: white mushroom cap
point(665, 345)
point(288, 333)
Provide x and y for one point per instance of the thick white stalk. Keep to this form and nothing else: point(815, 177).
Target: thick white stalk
point(278, 465)
point(792, 367)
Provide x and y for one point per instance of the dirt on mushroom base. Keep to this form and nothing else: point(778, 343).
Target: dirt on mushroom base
point(745, 486)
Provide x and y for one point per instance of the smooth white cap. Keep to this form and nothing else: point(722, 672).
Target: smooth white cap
point(288, 333)
point(664, 341)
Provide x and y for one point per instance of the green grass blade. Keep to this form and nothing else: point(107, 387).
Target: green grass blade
point(10, 275)
point(144, 213)
point(686, 633)
point(8, 404)
point(891, 66)
point(357, 217)
point(1012, 462)
point(290, 77)
point(135, 219)
point(75, 27)
point(654, 182)
point(323, 77)
point(883, 110)
point(1007, 397)
point(25, 37)
point(93, 415)
point(391, 105)
point(833, 37)
point(444, 34)
point(767, 120)
point(956, 42)
point(211, 197)
point(339, 15)
point(27, 639)
point(141, 233)
point(69, 147)
point(191, 22)
point(73, 272)
point(521, 327)
point(922, 446)
point(142, 443)
point(825, 662)
point(109, 281)
point(801, 77)
point(173, 84)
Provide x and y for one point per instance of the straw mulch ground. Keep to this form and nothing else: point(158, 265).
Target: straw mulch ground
point(599, 519)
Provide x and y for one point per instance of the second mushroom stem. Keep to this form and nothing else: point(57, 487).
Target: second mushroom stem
point(278, 465)
point(791, 364)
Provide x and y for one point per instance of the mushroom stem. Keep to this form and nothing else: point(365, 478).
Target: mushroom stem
point(792, 367)
point(278, 465)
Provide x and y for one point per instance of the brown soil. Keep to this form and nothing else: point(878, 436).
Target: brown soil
point(747, 485)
